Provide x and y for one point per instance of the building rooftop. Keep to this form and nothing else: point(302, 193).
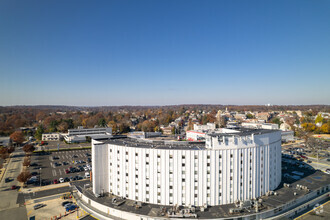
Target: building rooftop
point(155, 144)
point(283, 195)
point(243, 132)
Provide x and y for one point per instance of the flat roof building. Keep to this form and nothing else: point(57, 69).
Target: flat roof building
point(232, 165)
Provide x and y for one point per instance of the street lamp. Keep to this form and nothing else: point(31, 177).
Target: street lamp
point(40, 175)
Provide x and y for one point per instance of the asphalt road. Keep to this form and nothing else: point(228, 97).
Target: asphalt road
point(9, 206)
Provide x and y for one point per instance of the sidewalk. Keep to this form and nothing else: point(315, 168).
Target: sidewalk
point(42, 188)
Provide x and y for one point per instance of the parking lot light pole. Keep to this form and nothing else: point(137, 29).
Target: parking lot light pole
point(40, 175)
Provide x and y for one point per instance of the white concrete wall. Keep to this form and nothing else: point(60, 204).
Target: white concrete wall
point(215, 176)
point(100, 168)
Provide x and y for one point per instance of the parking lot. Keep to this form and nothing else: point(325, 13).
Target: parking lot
point(63, 164)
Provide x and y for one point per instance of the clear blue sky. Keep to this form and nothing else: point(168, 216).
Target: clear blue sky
point(91, 53)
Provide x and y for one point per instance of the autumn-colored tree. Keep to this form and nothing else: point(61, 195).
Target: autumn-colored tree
point(24, 176)
point(4, 156)
point(28, 148)
point(26, 161)
point(113, 125)
point(11, 150)
point(309, 127)
point(17, 137)
point(325, 129)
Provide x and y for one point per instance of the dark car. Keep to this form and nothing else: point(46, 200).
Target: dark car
point(65, 163)
point(87, 154)
point(89, 160)
point(45, 182)
point(74, 156)
point(66, 202)
point(34, 164)
point(66, 179)
point(34, 173)
point(7, 180)
point(71, 208)
point(14, 187)
point(38, 206)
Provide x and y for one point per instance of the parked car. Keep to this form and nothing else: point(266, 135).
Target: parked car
point(65, 163)
point(66, 202)
point(34, 173)
point(67, 171)
point(45, 182)
point(33, 164)
point(87, 154)
point(38, 206)
point(7, 180)
point(71, 208)
point(55, 158)
point(14, 187)
point(66, 179)
point(61, 180)
point(89, 160)
point(55, 181)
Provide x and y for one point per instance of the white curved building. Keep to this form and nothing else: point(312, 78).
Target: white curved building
point(230, 166)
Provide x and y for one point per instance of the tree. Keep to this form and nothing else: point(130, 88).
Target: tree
point(277, 121)
point(319, 119)
point(11, 150)
point(39, 132)
point(26, 161)
point(325, 129)
point(28, 148)
point(24, 176)
point(17, 137)
point(102, 122)
point(249, 116)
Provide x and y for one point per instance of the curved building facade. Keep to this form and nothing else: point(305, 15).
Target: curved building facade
point(231, 165)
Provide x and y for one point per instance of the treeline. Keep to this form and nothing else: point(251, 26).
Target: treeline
point(120, 118)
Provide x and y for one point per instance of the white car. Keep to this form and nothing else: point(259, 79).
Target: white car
point(87, 175)
point(61, 180)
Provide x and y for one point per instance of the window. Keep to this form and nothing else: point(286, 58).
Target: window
point(136, 154)
point(231, 156)
point(208, 156)
point(147, 155)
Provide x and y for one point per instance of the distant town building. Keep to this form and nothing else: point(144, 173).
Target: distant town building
point(143, 135)
point(287, 136)
point(80, 134)
point(208, 126)
point(51, 137)
point(258, 125)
